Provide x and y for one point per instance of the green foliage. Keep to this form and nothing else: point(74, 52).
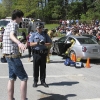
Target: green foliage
point(75, 10)
point(93, 11)
point(22, 30)
point(53, 10)
point(2, 11)
point(56, 14)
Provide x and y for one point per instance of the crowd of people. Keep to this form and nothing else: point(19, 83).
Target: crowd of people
point(80, 28)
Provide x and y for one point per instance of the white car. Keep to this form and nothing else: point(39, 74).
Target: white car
point(83, 47)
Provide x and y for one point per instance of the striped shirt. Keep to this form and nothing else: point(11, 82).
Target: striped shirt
point(10, 47)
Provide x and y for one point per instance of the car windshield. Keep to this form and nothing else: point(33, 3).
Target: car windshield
point(3, 23)
point(86, 41)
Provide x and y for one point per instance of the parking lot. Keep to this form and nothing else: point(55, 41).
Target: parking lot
point(65, 82)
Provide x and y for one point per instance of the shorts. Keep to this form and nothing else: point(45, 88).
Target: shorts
point(16, 69)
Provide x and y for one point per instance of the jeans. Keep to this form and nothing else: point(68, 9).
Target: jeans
point(16, 69)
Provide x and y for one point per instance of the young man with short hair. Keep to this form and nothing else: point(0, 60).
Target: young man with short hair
point(11, 46)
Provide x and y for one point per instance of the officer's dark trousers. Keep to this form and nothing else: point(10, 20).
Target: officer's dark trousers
point(39, 62)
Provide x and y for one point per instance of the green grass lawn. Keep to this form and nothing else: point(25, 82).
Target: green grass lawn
point(51, 26)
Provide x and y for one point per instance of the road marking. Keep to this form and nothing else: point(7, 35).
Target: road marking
point(92, 99)
point(79, 75)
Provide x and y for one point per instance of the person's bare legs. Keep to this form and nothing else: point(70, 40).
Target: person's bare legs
point(23, 89)
point(10, 89)
point(29, 59)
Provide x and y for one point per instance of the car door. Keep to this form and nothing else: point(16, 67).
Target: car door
point(61, 45)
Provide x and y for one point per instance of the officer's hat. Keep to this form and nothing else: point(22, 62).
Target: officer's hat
point(39, 25)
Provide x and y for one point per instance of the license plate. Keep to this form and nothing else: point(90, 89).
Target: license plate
point(95, 50)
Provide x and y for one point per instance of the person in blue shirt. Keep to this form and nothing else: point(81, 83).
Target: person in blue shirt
point(39, 42)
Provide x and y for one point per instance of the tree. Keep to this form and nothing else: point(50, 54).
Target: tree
point(2, 11)
point(27, 6)
point(93, 10)
point(75, 10)
point(7, 4)
point(53, 10)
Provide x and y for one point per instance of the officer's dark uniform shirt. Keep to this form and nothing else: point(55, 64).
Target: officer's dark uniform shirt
point(35, 37)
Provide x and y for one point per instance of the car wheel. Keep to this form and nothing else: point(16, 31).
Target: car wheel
point(72, 52)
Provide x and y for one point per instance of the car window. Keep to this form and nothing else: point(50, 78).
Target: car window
point(69, 39)
point(86, 41)
point(90, 36)
point(62, 39)
point(4, 23)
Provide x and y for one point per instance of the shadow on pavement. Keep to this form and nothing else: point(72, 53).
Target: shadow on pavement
point(51, 96)
point(64, 83)
point(93, 61)
point(56, 61)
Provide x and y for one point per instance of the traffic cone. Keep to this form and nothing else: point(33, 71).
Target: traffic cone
point(74, 58)
point(88, 63)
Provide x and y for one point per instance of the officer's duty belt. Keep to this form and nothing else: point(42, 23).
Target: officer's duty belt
point(12, 55)
point(40, 51)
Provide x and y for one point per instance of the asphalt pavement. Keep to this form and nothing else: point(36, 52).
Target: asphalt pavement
point(65, 82)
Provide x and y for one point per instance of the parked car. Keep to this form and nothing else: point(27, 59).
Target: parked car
point(83, 47)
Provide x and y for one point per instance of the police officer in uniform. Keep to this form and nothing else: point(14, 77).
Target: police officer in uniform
point(39, 42)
